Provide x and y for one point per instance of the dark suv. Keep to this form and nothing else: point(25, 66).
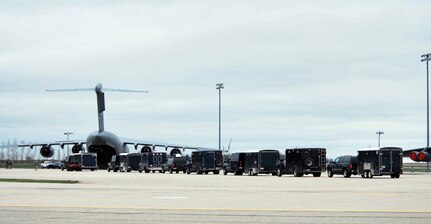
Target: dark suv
point(344, 165)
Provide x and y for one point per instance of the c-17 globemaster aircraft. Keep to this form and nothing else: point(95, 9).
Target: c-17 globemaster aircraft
point(105, 143)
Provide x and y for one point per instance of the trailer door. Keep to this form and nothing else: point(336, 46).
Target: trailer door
point(209, 160)
point(386, 161)
point(397, 159)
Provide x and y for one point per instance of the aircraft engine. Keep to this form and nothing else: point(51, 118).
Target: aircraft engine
point(146, 149)
point(77, 148)
point(46, 151)
point(175, 151)
point(424, 156)
point(414, 156)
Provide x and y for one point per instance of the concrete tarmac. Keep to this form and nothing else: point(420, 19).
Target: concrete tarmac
point(102, 197)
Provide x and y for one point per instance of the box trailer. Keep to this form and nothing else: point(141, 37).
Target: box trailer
point(302, 161)
point(205, 161)
point(380, 161)
point(262, 162)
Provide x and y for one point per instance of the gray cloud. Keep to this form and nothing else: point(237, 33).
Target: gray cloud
point(296, 74)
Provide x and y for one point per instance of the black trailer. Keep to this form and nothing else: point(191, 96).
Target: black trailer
point(129, 161)
point(235, 164)
point(153, 161)
point(380, 161)
point(264, 161)
point(205, 161)
point(81, 161)
point(302, 161)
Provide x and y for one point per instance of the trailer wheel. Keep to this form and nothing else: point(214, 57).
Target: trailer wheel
point(317, 174)
point(140, 171)
point(225, 172)
point(177, 171)
point(188, 171)
point(362, 175)
point(206, 172)
point(296, 173)
point(392, 175)
point(170, 170)
point(397, 175)
point(216, 172)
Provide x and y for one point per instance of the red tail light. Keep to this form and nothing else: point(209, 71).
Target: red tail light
point(413, 155)
point(421, 156)
point(350, 166)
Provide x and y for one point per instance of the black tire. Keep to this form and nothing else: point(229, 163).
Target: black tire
point(392, 175)
point(177, 171)
point(188, 171)
point(279, 172)
point(129, 171)
point(330, 174)
point(153, 171)
point(346, 173)
point(397, 175)
point(184, 171)
point(170, 170)
point(225, 172)
point(250, 172)
point(362, 175)
point(140, 171)
point(109, 170)
point(216, 172)
point(206, 172)
point(317, 174)
point(296, 173)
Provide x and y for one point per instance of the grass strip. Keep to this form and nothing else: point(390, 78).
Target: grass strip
point(38, 181)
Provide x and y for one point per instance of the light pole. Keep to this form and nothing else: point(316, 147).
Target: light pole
point(379, 133)
point(427, 57)
point(219, 87)
point(67, 133)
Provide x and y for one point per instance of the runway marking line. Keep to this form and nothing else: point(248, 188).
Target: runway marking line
point(221, 209)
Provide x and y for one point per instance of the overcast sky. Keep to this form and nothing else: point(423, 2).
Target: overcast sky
point(296, 73)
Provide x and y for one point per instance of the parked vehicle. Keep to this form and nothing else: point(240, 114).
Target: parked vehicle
point(380, 161)
point(80, 161)
point(153, 161)
point(58, 165)
point(302, 161)
point(114, 164)
point(262, 162)
point(205, 161)
point(235, 164)
point(344, 165)
point(129, 162)
point(47, 165)
point(176, 164)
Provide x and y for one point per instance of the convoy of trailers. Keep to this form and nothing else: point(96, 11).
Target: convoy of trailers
point(299, 161)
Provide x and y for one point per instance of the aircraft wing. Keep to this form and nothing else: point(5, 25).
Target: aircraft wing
point(139, 144)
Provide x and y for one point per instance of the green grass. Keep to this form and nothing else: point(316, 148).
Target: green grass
point(38, 181)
